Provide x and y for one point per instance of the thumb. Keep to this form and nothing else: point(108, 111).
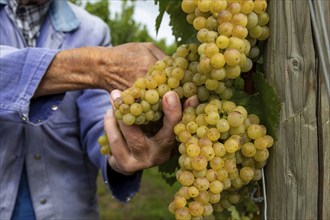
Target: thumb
point(172, 112)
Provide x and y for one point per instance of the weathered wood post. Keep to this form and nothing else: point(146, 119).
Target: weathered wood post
point(298, 171)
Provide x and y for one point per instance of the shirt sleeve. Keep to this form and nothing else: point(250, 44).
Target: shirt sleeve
point(20, 74)
point(93, 105)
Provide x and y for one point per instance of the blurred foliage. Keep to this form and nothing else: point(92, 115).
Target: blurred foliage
point(122, 25)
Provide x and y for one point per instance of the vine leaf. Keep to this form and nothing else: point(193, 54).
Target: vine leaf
point(168, 169)
point(264, 102)
point(181, 29)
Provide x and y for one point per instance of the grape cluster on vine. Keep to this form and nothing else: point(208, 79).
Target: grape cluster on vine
point(222, 147)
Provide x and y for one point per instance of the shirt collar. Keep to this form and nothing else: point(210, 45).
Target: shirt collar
point(61, 15)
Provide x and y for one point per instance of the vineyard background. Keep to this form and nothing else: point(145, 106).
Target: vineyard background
point(298, 171)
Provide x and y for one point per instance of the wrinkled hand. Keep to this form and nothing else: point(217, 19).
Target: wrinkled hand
point(126, 62)
point(134, 150)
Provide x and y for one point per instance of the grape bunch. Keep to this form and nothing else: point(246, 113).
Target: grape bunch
point(222, 147)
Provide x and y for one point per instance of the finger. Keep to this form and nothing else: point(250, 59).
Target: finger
point(135, 138)
point(191, 102)
point(172, 113)
point(117, 143)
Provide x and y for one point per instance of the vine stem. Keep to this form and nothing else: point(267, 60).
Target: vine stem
point(264, 193)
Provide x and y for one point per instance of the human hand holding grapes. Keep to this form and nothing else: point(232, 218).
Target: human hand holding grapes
point(132, 149)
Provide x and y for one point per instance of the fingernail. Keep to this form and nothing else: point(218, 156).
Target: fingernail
point(115, 94)
point(172, 100)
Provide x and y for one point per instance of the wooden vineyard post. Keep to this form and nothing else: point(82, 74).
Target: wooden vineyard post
point(298, 170)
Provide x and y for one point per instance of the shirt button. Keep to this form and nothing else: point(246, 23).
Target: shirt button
point(24, 118)
point(37, 157)
point(40, 120)
point(54, 107)
point(43, 201)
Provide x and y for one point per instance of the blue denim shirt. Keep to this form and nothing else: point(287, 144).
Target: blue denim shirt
point(57, 135)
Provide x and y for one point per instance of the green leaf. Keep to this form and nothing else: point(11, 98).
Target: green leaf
point(264, 102)
point(270, 102)
point(181, 29)
point(169, 168)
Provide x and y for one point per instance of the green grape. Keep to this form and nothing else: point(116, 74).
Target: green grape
point(214, 197)
point(235, 118)
point(193, 150)
point(202, 184)
point(151, 96)
point(199, 23)
point(261, 143)
point(248, 149)
point(182, 213)
point(232, 72)
point(260, 6)
point(252, 20)
point(225, 28)
point(196, 208)
point(202, 93)
point(216, 186)
point(232, 56)
point(224, 16)
point(207, 152)
point(128, 119)
point(136, 109)
point(211, 49)
point(203, 197)
point(239, 19)
point(222, 41)
point(217, 163)
point(246, 174)
point(151, 82)
point(211, 23)
point(247, 6)
point(254, 131)
point(234, 7)
point(218, 60)
point(103, 140)
point(199, 173)
point(263, 18)
point(255, 32)
point(179, 202)
point(222, 174)
point(211, 175)
point(141, 119)
point(261, 155)
point(204, 5)
point(264, 33)
point(218, 6)
point(105, 150)
point(189, 89)
point(213, 134)
point(219, 149)
point(208, 210)
point(162, 89)
point(186, 178)
point(190, 18)
point(192, 127)
point(237, 43)
point(188, 6)
point(199, 162)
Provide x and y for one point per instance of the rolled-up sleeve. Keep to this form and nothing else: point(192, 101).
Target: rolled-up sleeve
point(21, 71)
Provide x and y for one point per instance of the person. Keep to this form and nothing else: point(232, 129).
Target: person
point(56, 72)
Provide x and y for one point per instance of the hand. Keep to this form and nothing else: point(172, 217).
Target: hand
point(134, 150)
point(98, 67)
point(126, 62)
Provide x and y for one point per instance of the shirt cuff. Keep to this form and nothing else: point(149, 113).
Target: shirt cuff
point(36, 111)
point(123, 187)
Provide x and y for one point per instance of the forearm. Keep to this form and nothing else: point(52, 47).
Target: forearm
point(73, 69)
